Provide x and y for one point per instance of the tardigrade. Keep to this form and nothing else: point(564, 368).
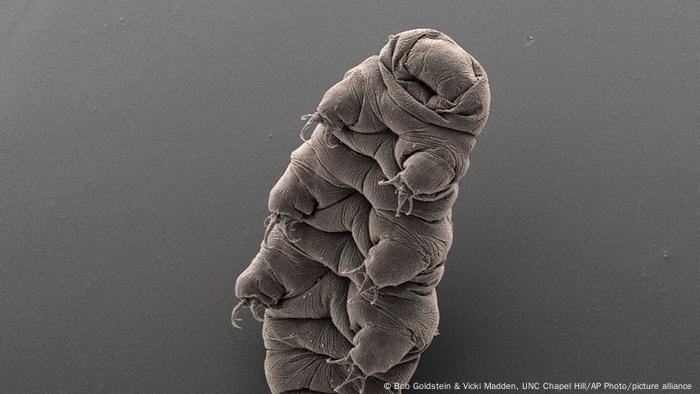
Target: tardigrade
point(360, 221)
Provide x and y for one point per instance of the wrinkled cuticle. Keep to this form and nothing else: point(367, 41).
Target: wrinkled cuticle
point(283, 339)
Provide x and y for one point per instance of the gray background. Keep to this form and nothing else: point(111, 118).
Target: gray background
point(139, 141)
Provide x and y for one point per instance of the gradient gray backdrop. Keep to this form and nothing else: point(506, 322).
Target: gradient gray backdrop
point(139, 141)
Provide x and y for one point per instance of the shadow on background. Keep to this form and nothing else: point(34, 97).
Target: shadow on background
point(139, 141)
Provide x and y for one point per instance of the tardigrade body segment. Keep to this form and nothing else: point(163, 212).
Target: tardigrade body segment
point(360, 221)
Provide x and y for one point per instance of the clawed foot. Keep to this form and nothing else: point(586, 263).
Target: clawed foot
point(366, 287)
point(340, 361)
point(405, 194)
point(355, 373)
point(358, 270)
point(257, 309)
point(329, 139)
point(287, 227)
point(311, 121)
point(270, 222)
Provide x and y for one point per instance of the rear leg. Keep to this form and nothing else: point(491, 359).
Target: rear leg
point(278, 271)
point(376, 351)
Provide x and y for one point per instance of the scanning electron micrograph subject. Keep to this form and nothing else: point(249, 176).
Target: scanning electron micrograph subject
point(415, 197)
point(361, 220)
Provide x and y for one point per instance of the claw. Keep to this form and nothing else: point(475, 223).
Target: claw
point(288, 228)
point(237, 312)
point(367, 286)
point(355, 374)
point(255, 307)
point(396, 181)
point(345, 360)
point(375, 294)
point(270, 222)
point(403, 198)
point(353, 271)
point(410, 205)
point(267, 221)
point(311, 120)
point(328, 139)
point(405, 194)
point(359, 271)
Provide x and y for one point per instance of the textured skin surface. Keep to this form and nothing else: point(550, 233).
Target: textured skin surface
point(360, 221)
